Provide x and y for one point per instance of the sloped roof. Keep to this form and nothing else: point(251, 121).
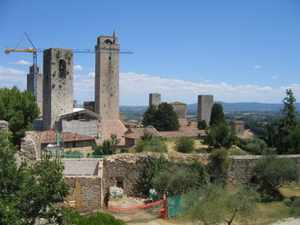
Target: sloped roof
point(83, 112)
point(49, 137)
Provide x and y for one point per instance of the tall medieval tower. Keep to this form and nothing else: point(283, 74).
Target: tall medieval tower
point(107, 77)
point(57, 85)
point(107, 87)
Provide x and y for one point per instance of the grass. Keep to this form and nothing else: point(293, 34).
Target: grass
point(291, 190)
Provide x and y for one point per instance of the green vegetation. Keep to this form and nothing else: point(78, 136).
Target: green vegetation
point(163, 117)
point(185, 145)
point(108, 147)
point(74, 218)
point(202, 125)
point(255, 146)
point(28, 192)
point(19, 109)
point(218, 166)
point(151, 144)
point(73, 154)
point(217, 115)
point(271, 173)
point(220, 135)
point(215, 205)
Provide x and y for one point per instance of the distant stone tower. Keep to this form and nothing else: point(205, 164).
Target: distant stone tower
point(154, 99)
point(57, 85)
point(205, 104)
point(107, 87)
point(38, 90)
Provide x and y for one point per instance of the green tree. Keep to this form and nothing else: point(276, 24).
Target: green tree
point(202, 125)
point(19, 109)
point(28, 192)
point(294, 141)
point(185, 145)
point(218, 166)
point(214, 205)
point(163, 118)
point(255, 146)
point(108, 147)
point(217, 115)
point(220, 135)
point(271, 173)
point(287, 123)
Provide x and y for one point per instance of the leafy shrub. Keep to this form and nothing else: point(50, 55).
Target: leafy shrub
point(108, 147)
point(185, 145)
point(74, 218)
point(295, 207)
point(176, 179)
point(220, 135)
point(153, 144)
point(218, 165)
point(202, 125)
point(288, 202)
point(255, 146)
point(271, 173)
point(217, 115)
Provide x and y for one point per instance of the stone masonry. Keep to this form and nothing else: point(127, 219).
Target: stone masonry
point(180, 108)
point(205, 104)
point(57, 85)
point(38, 90)
point(107, 88)
point(154, 99)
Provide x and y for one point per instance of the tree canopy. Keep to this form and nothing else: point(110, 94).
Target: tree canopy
point(19, 109)
point(28, 192)
point(163, 117)
point(217, 115)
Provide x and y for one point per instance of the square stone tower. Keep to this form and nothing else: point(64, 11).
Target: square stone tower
point(107, 87)
point(37, 90)
point(205, 104)
point(57, 85)
point(107, 77)
point(154, 99)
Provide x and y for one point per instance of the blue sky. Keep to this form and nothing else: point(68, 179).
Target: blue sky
point(237, 50)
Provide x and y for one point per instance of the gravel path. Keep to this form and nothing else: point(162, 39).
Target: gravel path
point(289, 222)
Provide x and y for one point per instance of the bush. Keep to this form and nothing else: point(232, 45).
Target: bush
point(202, 125)
point(295, 207)
point(153, 144)
point(108, 147)
point(217, 115)
point(185, 145)
point(271, 173)
point(74, 218)
point(256, 146)
point(177, 180)
point(218, 166)
point(220, 136)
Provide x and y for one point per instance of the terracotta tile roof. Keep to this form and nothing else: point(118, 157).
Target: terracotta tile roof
point(49, 136)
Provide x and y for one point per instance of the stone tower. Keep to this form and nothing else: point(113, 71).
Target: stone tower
point(154, 99)
point(107, 77)
point(57, 85)
point(37, 90)
point(205, 104)
point(107, 87)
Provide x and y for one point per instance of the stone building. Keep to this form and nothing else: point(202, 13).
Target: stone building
point(238, 126)
point(132, 135)
point(84, 122)
point(154, 99)
point(205, 104)
point(36, 86)
point(57, 85)
point(107, 87)
point(180, 108)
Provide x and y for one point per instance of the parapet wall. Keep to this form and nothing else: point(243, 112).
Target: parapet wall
point(241, 167)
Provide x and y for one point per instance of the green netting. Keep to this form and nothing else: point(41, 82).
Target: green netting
point(174, 206)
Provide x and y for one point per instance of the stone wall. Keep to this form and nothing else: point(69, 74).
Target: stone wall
point(30, 147)
point(84, 194)
point(241, 168)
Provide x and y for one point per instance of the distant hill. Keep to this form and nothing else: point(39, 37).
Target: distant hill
point(246, 107)
point(133, 112)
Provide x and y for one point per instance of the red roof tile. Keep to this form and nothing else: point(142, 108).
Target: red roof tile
point(49, 136)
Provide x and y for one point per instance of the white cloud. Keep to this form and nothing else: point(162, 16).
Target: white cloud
point(10, 77)
point(256, 67)
point(22, 62)
point(134, 89)
point(78, 68)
